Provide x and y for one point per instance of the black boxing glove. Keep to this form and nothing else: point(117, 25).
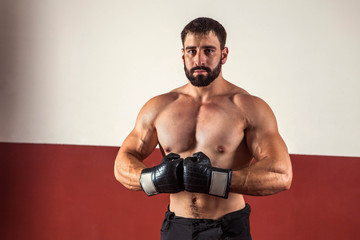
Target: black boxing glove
point(200, 177)
point(167, 177)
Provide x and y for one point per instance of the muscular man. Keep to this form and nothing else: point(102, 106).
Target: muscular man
point(208, 130)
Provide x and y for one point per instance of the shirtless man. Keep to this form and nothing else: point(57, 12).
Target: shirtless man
point(216, 129)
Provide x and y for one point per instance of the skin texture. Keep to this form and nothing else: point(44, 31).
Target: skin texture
point(234, 129)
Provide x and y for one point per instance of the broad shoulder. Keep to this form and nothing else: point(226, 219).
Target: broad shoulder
point(161, 101)
point(256, 110)
point(248, 101)
point(156, 105)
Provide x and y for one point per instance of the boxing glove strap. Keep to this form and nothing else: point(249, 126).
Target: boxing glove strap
point(220, 182)
point(147, 184)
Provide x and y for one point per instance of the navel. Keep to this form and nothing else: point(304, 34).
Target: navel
point(194, 207)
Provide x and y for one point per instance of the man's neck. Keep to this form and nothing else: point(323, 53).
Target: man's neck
point(204, 94)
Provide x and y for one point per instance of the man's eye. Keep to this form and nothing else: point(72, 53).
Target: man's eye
point(191, 51)
point(209, 50)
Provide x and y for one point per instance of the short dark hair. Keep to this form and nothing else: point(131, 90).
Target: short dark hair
point(202, 26)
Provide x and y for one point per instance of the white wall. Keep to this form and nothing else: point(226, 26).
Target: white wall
point(78, 71)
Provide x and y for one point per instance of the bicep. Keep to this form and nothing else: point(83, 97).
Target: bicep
point(140, 142)
point(268, 145)
point(143, 138)
point(262, 136)
point(135, 148)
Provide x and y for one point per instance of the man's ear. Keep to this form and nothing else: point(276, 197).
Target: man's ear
point(224, 55)
point(182, 54)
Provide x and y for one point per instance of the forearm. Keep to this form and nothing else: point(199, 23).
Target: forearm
point(127, 170)
point(261, 178)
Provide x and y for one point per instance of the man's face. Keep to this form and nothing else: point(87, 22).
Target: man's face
point(202, 58)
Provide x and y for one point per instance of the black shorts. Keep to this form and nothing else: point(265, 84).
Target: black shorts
point(234, 225)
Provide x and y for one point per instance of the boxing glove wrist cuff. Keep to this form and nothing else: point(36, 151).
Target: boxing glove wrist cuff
point(220, 182)
point(147, 183)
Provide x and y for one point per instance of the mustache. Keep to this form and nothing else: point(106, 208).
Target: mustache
point(200, 68)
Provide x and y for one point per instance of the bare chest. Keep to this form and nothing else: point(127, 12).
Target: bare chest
point(214, 128)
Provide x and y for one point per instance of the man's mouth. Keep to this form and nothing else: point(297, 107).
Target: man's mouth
point(200, 71)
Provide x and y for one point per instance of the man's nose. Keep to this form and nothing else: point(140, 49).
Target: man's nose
point(200, 59)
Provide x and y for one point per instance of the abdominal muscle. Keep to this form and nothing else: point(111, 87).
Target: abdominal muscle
point(204, 206)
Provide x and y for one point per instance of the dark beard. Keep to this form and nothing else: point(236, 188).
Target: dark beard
point(201, 80)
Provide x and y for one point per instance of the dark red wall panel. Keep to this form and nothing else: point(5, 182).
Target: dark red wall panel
point(69, 192)
point(323, 202)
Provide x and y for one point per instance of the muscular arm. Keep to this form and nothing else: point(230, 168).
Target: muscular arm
point(136, 147)
point(272, 171)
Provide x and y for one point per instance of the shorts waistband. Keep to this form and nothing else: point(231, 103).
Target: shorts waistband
point(227, 217)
